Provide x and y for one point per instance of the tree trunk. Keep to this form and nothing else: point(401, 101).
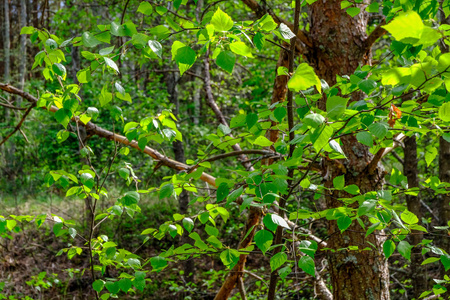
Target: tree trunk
point(171, 79)
point(418, 275)
point(7, 42)
point(339, 47)
point(23, 45)
point(443, 204)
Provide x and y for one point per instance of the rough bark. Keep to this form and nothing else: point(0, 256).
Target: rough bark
point(418, 275)
point(443, 204)
point(339, 47)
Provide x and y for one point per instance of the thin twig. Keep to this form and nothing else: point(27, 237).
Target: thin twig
point(20, 123)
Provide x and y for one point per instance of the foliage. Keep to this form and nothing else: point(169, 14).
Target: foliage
point(405, 95)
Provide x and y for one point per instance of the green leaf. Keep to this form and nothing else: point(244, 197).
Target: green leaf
point(226, 60)
point(229, 257)
point(279, 113)
point(367, 86)
point(158, 263)
point(352, 189)
point(404, 248)
point(388, 248)
point(365, 138)
point(314, 120)
point(111, 64)
point(430, 155)
point(263, 141)
point(234, 195)
point(188, 224)
point(336, 106)
point(321, 137)
point(130, 198)
point(353, 11)
point(145, 8)
point(445, 260)
point(339, 182)
point(409, 218)
point(112, 287)
point(277, 260)
point(284, 272)
point(59, 69)
point(367, 207)
point(211, 230)
point(221, 21)
point(89, 40)
point(276, 219)
point(241, 48)
point(124, 173)
point(444, 112)
point(373, 7)
point(106, 51)
point(27, 30)
point(156, 47)
point(88, 180)
point(407, 27)
point(125, 284)
point(430, 260)
point(344, 222)
point(307, 264)
point(251, 120)
point(61, 136)
point(263, 240)
point(98, 285)
point(105, 96)
point(184, 56)
point(378, 129)
point(222, 191)
point(267, 23)
point(166, 191)
point(303, 78)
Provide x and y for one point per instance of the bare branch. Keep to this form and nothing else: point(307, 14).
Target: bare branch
point(375, 35)
point(12, 106)
point(20, 123)
point(93, 129)
point(238, 153)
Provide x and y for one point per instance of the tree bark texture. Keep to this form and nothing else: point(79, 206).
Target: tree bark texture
point(419, 280)
point(339, 47)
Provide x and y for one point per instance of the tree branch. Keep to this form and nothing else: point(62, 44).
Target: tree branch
point(238, 153)
point(18, 125)
point(12, 106)
point(375, 35)
point(93, 129)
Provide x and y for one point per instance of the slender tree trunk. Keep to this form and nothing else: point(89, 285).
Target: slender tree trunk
point(23, 45)
point(171, 79)
point(7, 42)
point(418, 275)
point(443, 205)
point(339, 47)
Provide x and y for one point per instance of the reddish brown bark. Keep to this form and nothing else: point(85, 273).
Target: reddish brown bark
point(339, 47)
